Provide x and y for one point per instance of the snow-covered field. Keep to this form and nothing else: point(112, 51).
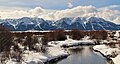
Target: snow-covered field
point(54, 50)
point(106, 50)
point(31, 57)
point(116, 60)
point(70, 42)
point(111, 52)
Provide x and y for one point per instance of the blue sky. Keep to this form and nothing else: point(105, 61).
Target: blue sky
point(59, 9)
point(57, 4)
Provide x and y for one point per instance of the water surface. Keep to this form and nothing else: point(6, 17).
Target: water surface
point(83, 55)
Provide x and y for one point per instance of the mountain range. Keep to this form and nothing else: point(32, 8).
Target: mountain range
point(81, 23)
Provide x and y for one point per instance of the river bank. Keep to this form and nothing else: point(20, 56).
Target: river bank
point(112, 54)
point(55, 52)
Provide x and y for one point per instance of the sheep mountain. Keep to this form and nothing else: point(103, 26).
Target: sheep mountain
point(26, 23)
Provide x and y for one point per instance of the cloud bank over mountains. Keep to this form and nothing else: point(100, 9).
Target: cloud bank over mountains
point(106, 13)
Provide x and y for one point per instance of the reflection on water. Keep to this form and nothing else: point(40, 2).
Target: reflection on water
point(83, 55)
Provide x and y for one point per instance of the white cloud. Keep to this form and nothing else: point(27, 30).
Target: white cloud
point(109, 15)
point(13, 13)
point(79, 11)
point(109, 7)
point(70, 5)
point(36, 11)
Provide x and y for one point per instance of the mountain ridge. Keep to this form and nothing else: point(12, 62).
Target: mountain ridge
point(81, 23)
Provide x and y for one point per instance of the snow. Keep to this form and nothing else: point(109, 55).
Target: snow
point(36, 57)
point(101, 26)
point(109, 51)
point(104, 41)
point(106, 50)
point(81, 11)
point(11, 62)
point(31, 57)
point(56, 43)
point(70, 42)
point(116, 60)
point(37, 23)
point(54, 52)
point(117, 34)
point(100, 47)
point(92, 26)
point(29, 31)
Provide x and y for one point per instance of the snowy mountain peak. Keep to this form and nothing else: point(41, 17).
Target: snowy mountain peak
point(81, 23)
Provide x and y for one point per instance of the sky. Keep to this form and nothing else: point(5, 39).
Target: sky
point(56, 4)
point(57, 9)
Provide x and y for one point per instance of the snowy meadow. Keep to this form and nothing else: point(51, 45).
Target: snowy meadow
point(46, 47)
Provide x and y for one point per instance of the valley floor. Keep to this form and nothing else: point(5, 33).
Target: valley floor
point(55, 51)
point(31, 57)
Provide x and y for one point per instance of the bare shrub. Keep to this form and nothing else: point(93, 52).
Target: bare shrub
point(112, 45)
point(56, 35)
point(118, 42)
point(6, 41)
point(16, 53)
point(98, 34)
point(59, 35)
point(77, 34)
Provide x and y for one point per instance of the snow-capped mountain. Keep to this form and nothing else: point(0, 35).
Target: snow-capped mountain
point(8, 25)
point(81, 23)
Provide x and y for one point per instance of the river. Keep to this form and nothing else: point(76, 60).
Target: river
point(83, 55)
